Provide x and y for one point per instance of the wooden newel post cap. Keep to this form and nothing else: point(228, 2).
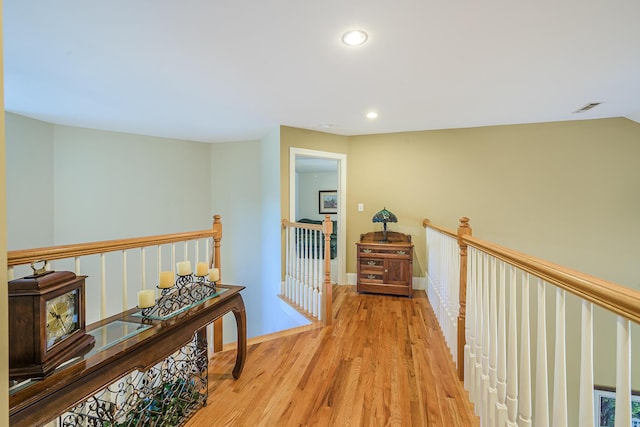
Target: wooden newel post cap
point(426, 222)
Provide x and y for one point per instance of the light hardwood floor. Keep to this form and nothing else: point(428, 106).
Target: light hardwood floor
point(383, 362)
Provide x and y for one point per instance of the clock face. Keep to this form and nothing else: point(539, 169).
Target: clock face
point(62, 317)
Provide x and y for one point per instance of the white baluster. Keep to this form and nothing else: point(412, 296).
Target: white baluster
point(103, 287)
point(623, 373)
point(470, 327)
point(143, 267)
point(586, 415)
point(493, 346)
point(10, 273)
point(524, 401)
point(542, 384)
point(479, 335)
point(77, 265)
point(512, 353)
point(125, 303)
point(484, 414)
point(501, 382)
point(560, 365)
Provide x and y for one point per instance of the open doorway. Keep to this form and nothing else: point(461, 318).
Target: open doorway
point(313, 174)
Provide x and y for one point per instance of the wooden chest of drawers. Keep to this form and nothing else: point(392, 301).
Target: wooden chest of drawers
point(385, 268)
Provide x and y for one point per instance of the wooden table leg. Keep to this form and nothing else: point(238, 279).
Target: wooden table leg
point(241, 323)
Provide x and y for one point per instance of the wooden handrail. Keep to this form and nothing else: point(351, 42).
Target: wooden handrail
point(26, 256)
point(426, 223)
point(306, 226)
point(619, 299)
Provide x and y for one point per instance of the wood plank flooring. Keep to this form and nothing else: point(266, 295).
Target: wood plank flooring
point(383, 362)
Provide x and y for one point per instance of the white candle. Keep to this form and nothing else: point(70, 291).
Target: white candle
point(146, 298)
point(166, 279)
point(214, 274)
point(202, 268)
point(184, 268)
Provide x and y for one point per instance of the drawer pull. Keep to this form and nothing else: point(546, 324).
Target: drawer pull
point(401, 253)
point(367, 251)
point(371, 276)
point(371, 263)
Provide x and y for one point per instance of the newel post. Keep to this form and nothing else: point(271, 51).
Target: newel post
point(327, 229)
point(217, 236)
point(463, 230)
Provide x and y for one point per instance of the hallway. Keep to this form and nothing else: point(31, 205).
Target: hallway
point(382, 362)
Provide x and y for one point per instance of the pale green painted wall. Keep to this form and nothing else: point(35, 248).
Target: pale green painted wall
point(30, 189)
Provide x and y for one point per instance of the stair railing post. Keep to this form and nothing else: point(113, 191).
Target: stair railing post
point(217, 236)
point(463, 230)
point(327, 229)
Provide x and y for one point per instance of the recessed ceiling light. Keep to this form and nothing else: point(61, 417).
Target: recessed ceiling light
point(325, 125)
point(354, 38)
point(372, 115)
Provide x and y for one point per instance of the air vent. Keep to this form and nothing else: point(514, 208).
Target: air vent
point(587, 107)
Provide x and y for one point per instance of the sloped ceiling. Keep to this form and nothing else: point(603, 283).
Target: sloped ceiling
point(213, 71)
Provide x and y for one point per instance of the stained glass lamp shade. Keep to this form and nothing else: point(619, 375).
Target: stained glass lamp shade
point(384, 216)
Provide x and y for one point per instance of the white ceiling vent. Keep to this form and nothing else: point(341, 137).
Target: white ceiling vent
point(587, 107)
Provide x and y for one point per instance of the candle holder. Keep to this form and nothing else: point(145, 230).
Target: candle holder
point(188, 290)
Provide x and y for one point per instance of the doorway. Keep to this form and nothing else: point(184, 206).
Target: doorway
point(308, 171)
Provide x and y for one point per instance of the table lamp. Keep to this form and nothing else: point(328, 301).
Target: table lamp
point(384, 216)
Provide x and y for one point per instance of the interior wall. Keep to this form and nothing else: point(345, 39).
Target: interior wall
point(303, 138)
point(112, 185)
point(308, 186)
point(29, 172)
point(564, 191)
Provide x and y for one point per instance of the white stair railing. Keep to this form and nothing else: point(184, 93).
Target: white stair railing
point(518, 308)
point(115, 275)
point(307, 253)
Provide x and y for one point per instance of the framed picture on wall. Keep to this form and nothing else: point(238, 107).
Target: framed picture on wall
point(605, 407)
point(328, 201)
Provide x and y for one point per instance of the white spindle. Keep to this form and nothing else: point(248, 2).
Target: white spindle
point(77, 265)
point(173, 257)
point(560, 365)
point(484, 379)
point(125, 303)
point(143, 266)
point(623, 373)
point(471, 327)
point(524, 392)
point(542, 385)
point(501, 382)
point(469, 346)
point(493, 346)
point(479, 334)
point(512, 353)
point(103, 287)
point(586, 415)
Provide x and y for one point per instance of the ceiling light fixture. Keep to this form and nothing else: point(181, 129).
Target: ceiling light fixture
point(372, 115)
point(354, 38)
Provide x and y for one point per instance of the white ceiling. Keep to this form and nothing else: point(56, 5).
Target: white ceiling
point(212, 70)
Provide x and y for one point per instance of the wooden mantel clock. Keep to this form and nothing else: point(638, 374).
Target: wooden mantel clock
point(46, 322)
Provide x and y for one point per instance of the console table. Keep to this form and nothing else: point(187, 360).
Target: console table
point(385, 267)
point(142, 344)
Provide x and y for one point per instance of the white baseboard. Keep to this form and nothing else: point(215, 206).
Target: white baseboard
point(351, 278)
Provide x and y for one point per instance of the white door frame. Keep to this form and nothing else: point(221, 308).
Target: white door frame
point(342, 197)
